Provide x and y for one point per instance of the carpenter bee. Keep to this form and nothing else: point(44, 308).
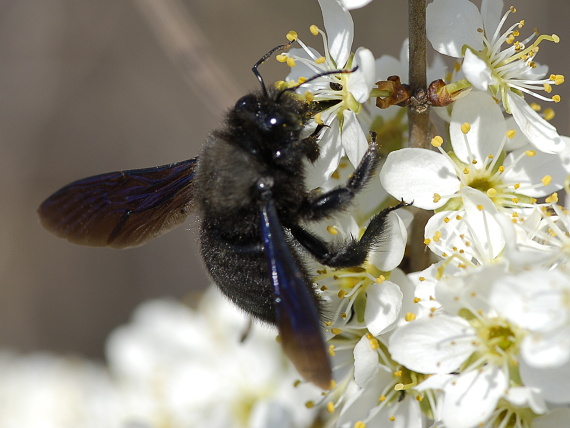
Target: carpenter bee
point(248, 189)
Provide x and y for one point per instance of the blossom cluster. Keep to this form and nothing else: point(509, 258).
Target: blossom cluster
point(479, 336)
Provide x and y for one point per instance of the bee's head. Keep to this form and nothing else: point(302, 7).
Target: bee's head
point(268, 124)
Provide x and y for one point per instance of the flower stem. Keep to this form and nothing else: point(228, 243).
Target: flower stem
point(418, 111)
point(418, 119)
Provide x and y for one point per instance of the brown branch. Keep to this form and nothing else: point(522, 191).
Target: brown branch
point(418, 120)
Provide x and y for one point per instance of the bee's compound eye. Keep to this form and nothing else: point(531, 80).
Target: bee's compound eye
point(247, 102)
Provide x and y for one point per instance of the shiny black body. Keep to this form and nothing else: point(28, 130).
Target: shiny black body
point(248, 189)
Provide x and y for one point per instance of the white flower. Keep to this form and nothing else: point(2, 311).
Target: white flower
point(345, 91)
point(478, 137)
point(50, 391)
point(191, 368)
point(538, 302)
point(473, 350)
point(456, 28)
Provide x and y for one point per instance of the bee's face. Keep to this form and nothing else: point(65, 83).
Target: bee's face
point(265, 120)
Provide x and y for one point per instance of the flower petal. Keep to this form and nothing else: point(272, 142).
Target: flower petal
point(362, 80)
point(340, 30)
point(414, 175)
point(492, 12)
point(383, 305)
point(354, 4)
point(471, 398)
point(452, 24)
point(540, 133)
point(488, 127)
point(477, 71)
point(353, 138)
point(437, 344)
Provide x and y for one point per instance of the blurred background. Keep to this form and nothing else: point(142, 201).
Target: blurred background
point(93, 86)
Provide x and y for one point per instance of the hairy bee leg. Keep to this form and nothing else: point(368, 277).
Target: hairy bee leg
point(339, 198)
point(350, 252)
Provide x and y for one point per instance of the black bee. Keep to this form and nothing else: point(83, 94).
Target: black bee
point(248, 190)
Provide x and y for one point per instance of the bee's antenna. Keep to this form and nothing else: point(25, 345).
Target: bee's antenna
point(263, 59)
point(316, 76)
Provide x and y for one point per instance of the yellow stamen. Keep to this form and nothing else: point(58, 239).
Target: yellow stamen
point(332, 230)
point(292, 36)
point(437, 141)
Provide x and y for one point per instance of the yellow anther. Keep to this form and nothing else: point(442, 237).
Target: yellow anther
point(511, 134)
point(516, 185)
point(465, 171)
point(310, 404)
point(555, 38)
point(422, 278)
point(546, 180)
point(446, 219)
point(292, 36)
point(480, 207)
point(410, 316)
point(380, 279)
point(437, 141)
point(547, 88)
point(341, 294)
point(321, 60)
point(359, 424)
point(374, 344)
point(458, 217)
point(281, 58)
point(501, 168)
point(336, 330)
point(436, 197)
point(530, 153)
point(552, 199)
point(330, 407)
point(382, 398)
point(535, 106)
point(548, 114)
point(291, 62)
point(331, 350)
point(314, 30)
point(515, 200)
point(332, 230)
point(465, 127)
point(556, 98)
point(318, 119)
point(557, 78)
point(427, 241)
